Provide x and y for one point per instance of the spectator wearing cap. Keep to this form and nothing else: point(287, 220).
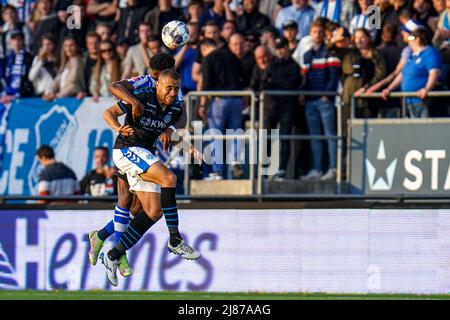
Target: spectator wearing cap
point(16, 69)
point(406, 30)
point(11, 23)
point(300, 12)
point(48, 22)
point(43, 70)
point(361, 20)
point(321, 73)
point(250, 18)
point(219, 13)
point(420, 74)
point(290, 30)
point(228, 29)
point(340, 11)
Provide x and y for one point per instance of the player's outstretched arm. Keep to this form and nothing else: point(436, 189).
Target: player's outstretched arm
point(123, 90)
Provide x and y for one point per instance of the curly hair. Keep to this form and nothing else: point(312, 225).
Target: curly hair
point(162, 61)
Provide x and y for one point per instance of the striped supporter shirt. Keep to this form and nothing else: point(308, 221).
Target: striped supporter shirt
point(57, 179)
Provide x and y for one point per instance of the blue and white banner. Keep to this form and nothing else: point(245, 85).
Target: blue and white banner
point(304, 250)
point(72, 127)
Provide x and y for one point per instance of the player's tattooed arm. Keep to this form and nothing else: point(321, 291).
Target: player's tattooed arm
point(123, 90)
point(111, 116)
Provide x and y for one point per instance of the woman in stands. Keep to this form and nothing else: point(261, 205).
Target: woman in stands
point(43, 70)
point(106, 71)
point(69, 81)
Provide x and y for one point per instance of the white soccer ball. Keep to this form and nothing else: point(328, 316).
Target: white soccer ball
point(175, 34)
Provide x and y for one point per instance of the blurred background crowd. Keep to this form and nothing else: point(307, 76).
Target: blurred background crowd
point(59, 48)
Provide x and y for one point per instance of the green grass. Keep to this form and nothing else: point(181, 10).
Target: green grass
point(118, 295)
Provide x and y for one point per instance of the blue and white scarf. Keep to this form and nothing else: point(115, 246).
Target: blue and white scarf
point(336, 13)
point(15, 70)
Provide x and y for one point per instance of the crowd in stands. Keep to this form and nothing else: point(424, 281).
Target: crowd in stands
point(328, 45)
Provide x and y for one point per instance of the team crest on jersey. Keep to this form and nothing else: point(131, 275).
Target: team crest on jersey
point(149, 156)
point(167, 118)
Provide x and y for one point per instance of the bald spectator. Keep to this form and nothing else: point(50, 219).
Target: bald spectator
point(260, 73)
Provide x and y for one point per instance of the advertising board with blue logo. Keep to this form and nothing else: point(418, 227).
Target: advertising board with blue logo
point(72, 127)
point(304, 250)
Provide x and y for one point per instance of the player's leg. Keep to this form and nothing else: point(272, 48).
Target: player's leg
point(135, 231)
point(117, 225)
point(160, 174)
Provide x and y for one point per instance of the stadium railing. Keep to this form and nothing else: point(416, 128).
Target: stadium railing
point(262, 104)
point(262, 96)
point(196, 94)
point(402, 95)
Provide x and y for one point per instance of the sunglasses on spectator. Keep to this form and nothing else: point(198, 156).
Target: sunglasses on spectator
point(106, 50)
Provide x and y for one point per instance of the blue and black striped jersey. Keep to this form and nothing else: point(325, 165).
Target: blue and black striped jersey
point(151, 124)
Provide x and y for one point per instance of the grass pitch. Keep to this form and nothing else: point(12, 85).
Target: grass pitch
point(119, 295)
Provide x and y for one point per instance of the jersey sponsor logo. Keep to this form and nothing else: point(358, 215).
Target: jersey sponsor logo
point(147, 122)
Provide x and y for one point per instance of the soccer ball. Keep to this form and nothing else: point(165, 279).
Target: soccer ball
point(175, 34)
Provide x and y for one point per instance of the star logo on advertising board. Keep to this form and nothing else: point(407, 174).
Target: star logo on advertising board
point(381, 177)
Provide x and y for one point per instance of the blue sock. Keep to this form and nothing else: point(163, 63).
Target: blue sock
point(121, 221)
point(107, 231)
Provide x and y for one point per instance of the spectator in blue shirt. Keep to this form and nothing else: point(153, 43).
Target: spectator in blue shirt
point(300, 12)
point(320, 69)
point(420, 74)
point(185, 58)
